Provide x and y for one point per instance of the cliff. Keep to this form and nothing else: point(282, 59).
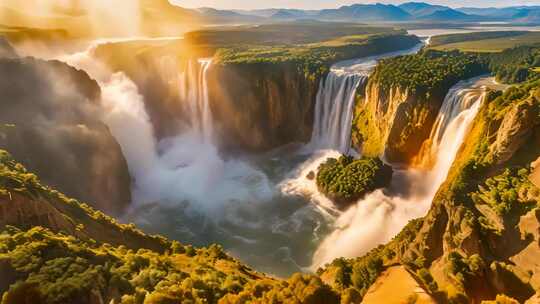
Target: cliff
point(480, 236)
point(25, 202)
point(261, 97)
point(394, 122)
point(55, 250)
point(263, 103)
point(262, 106)
point(50, 119)
point(402, 100)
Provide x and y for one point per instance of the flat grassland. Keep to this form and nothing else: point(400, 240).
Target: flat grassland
point(485, 41)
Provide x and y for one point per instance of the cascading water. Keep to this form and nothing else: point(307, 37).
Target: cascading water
point(334, 110)
point(335, 103)
point(378, 217)
point(461, 99)
point(183, 189)
point(232, 202)
point(193, 88)
point(184, 168)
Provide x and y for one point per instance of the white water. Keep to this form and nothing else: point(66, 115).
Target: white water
point(184, 168)
point(188, 169)
point(378, 217)
point(183, 189)
point(334, 111)
point(334, 108)
point(461, 98)
point(193, 88)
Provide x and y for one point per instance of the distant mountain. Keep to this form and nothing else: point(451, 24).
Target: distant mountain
point(411, 11)
point(521, 14)
point(421, 9)
point(492, 12)
point(277, 13)
point(527, 15)
point(226, 15)
point(365, 12)
point(451, 15)
point(266, 13)
point(293, 14)
point(285, 14)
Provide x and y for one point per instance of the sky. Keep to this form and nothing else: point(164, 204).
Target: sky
point(319, 4)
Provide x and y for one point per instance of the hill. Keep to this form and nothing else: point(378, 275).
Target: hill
point(529, 15)
point(366, 12)
point(449, 15)
point(421, 9)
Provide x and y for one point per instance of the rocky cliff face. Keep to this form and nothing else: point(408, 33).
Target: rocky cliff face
point(394, 122)
point(402, 101)
point(50, 120)
point(262, 106)
point(481, 234)
point(25, 203)
point(256, 104)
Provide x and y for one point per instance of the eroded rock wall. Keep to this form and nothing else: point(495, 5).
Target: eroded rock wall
point(50, 119)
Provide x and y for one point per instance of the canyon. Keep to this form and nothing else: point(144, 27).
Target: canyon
point(207, 144)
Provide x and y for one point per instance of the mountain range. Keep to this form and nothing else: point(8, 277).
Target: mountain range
point(407, 12)
point(164, 17)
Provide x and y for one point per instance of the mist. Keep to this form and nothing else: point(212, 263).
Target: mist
point(174, 170)
point(79, 17)
point(381, 215)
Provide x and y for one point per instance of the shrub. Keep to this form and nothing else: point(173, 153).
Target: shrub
point(346, 179)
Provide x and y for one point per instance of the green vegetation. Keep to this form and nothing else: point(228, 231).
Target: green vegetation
point(286, 33)
point(513, 55)
point(428, 71)
point(489, 42)
point(355, 276)
point(439, 42)
point(516, 65)
point(507, 191)
point(17, 184)
point(41, 266)
point(346, 179)
point(482, 152)
point(57, 268)
point(311, 45)
point(315, 58)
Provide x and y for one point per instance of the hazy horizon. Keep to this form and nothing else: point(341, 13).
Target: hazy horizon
point(323, 4)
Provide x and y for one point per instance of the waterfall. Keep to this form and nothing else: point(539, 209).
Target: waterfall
point(462, 100)
point(378, 217)
point(193, 88)
point(334, 110)
point(185, 168)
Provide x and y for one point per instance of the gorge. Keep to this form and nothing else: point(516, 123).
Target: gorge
point(206, 184)
point(216, 140)
point(380, 216)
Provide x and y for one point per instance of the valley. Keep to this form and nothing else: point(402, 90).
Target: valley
point(275, 161)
